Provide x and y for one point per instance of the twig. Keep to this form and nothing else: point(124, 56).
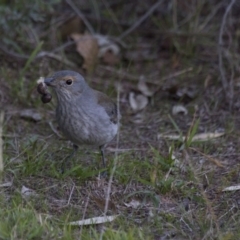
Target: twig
point(211, 159)
point(40, 55)
point(210, 16)
point(1, 141)
point(144, 17)
point(174, 17)
point(67, 44)
point(81, 15)
point(83, 217)
point(113, 169)
point(57, 57)
point(54, 129)
point(13, 54)
point(129, 76)
point(176, 74)
point(120, 73)
point(71, 193)
point(114, 18)
point(220, 56)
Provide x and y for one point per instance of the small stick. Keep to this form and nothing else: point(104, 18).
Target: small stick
point(225, 83)
point(81, 15)
point(115, 163)
point(132, 77)
point(41, 54)
point(56, 57)
point(215, 161)
point(144, 17)
point(70, 196)
point(177, 74)
point(54, 129)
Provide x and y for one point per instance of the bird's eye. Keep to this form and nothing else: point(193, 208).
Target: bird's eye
point(69, 82)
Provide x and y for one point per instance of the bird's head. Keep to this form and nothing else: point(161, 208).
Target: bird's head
point(66, 84)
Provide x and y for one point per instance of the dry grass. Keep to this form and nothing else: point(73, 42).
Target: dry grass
point(157, 193)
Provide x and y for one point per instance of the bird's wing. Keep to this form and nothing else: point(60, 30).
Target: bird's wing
point(109, 105)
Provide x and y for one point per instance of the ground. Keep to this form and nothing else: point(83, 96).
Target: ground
point(160, 188)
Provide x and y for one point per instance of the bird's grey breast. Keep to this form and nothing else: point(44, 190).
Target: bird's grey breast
point(86, 122)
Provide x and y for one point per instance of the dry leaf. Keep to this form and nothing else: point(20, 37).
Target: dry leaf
point(207, 81)
point(110, 59)
point(232, 188)
point(188, 93)
point(138, 118)
point(197, 137)
point(177, 92)
point(87, 47)
point(94, 220)
point(137, 101)
point(27, 192)
point(109, 51)
point(73, 25)
point(101, 201)
point(7, 184)
point(30, 114)
point(142, 86)
point(175, 61)
point(207, 136)
point(105, 44)
point(179, 109)
point(133, 204)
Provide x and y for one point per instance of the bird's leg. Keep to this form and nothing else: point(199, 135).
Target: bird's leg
point(101, 148)
point(104, 173)
point(75, 148)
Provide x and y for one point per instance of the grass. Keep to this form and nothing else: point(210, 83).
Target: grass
point(161, 189)
point(169, 194)
point(153, 181)
point(149, 181)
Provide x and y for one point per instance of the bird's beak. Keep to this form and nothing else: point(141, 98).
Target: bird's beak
point(49, 81)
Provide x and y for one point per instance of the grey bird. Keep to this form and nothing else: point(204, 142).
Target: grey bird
point(84, 115)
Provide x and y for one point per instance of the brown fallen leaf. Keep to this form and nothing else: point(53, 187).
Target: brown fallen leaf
point(100, 202)
point(109, 50)
point(110, 58)
point(87, 47)
point(73, 25)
